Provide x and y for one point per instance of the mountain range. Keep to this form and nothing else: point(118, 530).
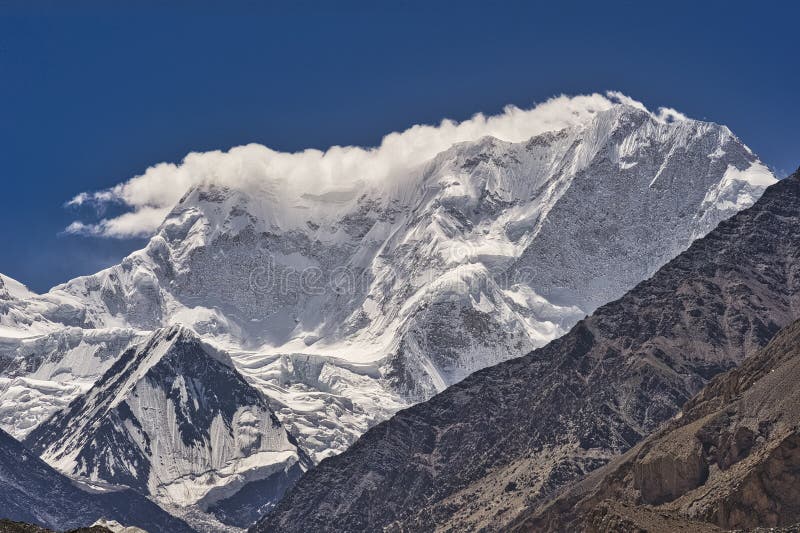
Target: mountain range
point(254, 337)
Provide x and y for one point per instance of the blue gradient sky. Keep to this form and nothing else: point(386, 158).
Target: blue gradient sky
point(93, 95)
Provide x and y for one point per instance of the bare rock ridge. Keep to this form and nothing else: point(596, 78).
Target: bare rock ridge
point(508, 437)
point(730, 460)
point(32, 491)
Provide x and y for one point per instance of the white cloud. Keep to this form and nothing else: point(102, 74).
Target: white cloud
point(664, 114)
point(152, 194)
point(667, 114)
point(141, 222)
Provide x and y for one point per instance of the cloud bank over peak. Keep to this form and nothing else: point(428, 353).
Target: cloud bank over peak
point(150, 196)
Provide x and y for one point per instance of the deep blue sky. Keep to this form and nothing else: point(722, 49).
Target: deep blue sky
point(93, 95)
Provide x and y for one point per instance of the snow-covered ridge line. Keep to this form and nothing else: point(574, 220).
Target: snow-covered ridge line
point(11, 288)
point(337, 170)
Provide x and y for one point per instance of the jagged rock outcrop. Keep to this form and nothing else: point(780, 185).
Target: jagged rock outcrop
point(662, 476)
point(508, 437)
point(730, 459)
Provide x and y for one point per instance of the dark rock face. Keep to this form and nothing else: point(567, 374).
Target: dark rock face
point(546, 419)
point(741, 432)
point(33, 492)
point(9, 526)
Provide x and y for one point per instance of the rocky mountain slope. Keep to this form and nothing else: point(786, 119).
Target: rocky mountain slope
point(731, 458)
point(172, 418)
point(32, 491)
point(509, 436)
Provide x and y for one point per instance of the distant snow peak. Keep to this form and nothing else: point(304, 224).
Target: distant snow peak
point(664, 115)
point(11, 288)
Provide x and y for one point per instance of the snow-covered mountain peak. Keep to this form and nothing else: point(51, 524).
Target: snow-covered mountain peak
point(484, 201)
point(170, 349)
point(13, 289)
point(172, 418)
point(486, 168)
point(344, 303)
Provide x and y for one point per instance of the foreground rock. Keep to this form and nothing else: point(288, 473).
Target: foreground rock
point(9, 526)
point(731, 459)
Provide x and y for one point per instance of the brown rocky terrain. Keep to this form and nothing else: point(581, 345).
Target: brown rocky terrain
point(729, 460)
